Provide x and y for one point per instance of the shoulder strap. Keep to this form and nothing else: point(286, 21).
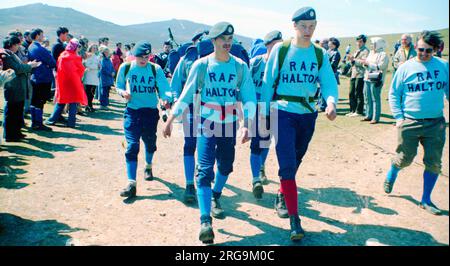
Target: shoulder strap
point(202, 69)
point(281, 57)
point(319, 55)
point(127, 68)
point(240, 77)
point(256, 64)
point(153, 67)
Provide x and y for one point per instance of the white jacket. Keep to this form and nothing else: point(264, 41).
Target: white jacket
point(92, 65)
point(377, 59)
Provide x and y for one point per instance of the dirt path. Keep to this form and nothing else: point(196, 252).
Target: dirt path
point(63, 188)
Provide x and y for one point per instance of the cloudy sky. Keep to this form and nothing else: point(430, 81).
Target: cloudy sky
point(254, 18)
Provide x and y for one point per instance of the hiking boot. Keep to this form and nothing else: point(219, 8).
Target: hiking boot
point(148, 174)
point(42, 128)
point(297, 232)
point(431, 208)
point(206, 233)
point(263, 177)
point(216, 209)
point(258, 190)
point(190, 194)
point(129, 191)
point(280, 206)
point(62, 120)
point(388, 186)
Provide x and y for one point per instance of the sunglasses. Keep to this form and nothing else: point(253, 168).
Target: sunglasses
point(428, 50)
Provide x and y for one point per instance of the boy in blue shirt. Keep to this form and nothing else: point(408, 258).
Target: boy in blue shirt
point(216, 80)
point(293, 70)
point(142, 84)
point(260, 144)
point(417, 102)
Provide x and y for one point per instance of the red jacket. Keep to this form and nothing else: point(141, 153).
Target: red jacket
point(115, 59)
point(69, 88)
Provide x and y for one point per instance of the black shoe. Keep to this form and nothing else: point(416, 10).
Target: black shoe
point(216, 209)
point(148, 174)
point(206, 233)
point(262, 175)
point(190, 194)
point(13, 139)
point(42, 128)
point(297, 232)
point(258, 190)
point(280, 206)
point(61, 119)
point(431, 208)
point(388, 186)
point(129, 191)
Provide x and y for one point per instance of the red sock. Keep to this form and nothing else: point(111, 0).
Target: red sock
point(289, 188)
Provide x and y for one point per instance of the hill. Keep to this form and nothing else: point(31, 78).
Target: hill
point(49, 18)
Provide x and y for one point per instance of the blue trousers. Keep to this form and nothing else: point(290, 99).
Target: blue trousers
point(140, 123)
point(190, 132)
point(59, 108)
point(292, 136)
point(258, 142)
point(104, 95)
point(212, 146)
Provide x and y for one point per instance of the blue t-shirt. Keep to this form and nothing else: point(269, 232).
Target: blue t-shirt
point(140, 83)
point(418, 89)
point(299, 77)
point(219, 89)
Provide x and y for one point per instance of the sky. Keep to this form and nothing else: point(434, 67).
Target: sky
point(255, 18)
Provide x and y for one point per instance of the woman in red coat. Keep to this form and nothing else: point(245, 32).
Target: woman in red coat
point(69, 87)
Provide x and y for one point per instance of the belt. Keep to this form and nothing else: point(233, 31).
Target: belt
point(296, 99)
point(424, 119)
point(224, 110)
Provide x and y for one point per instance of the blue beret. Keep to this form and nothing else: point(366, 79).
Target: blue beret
point(142, 48)
point(304, 13)
point(221, 28)
point(273, 36)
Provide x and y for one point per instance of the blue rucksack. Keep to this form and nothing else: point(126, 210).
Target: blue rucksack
point(258, 48)
point(175, 56)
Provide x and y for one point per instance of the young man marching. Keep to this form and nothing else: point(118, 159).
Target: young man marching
point(141, 83)
point(293, 70)
point(217, 79)
point(260, 144)
point(417, 102)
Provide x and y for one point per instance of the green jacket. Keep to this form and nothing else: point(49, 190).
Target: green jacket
point(401, 57)
point(358, 69)
point(15, 90)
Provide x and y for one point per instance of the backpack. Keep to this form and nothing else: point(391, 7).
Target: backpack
point(258, 48)
point(239, 51)
point(281, 57)
point(175, 56)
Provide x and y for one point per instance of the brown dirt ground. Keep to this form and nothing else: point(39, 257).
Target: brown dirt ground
point(62, 188)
